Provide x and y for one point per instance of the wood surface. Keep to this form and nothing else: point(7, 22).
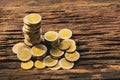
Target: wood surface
point(96, 30)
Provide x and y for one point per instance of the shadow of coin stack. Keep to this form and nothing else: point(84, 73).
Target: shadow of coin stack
point(32, 29)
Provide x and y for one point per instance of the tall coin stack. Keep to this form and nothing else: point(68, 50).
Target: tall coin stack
point(32, 29)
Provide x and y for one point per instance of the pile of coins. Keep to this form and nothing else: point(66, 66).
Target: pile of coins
point(54, 50)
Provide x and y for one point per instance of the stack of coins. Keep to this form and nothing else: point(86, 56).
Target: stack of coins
point(32, 29)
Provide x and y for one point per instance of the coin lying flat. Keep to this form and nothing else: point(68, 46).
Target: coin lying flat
point(50, 62)
point(65, 44)
point(72, 56)
point(32, 19)
point(65, 33)
point(72, 48)
point(27, 65)
point(51, 36)
point(55, 52)
point(24, 54)
point(65, 64)
point(56, 67)
point(39, 50)
point(17, 47)
point(39, 64)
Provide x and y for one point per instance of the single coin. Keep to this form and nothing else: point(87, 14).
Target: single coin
point(24, 54)
point(56, 67)
point(33, 18)
point(65, 64)
point(64, 45)
point(51, 36)
point(17, 47)
point(39, 50)
point(55, 52)
point(27, 65)
point(49, 61)
point(72, 56)
point(65, 33)
point(72, 48)
point(39, 64)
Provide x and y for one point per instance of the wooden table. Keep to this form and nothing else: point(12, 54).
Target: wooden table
point(96, 30)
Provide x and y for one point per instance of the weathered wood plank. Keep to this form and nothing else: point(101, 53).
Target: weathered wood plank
point(96, 29)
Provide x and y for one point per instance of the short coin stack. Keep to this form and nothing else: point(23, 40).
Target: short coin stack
point(32, 29)
point(56, 51)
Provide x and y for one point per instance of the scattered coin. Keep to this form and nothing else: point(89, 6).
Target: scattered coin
point(39, 50)
point(72, 56)
point(17, 47)
point(56, 53)
point(24, 54)
point(27, 65)
point(56, 67)
point(65, 64)
point(39, 64)
point(49, 61)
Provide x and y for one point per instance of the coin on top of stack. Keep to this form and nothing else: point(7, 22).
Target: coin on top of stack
point(65, 33)
point(52, 38)
point(32, 19)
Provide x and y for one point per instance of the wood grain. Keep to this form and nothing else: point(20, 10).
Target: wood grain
point(96, 29)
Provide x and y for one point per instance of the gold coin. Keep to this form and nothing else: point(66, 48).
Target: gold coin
point(64, 45)
point(65, 64)
point(27, 65)
point(39, 50)
point(24, 54)
point(55, 52)
point(72, 56)
point(50, 62)
point(17, 47)
point(65, 33)
point(56, 67)
point(39, 64)
point(51, 36)
point(72, 48)
point(32, 19)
